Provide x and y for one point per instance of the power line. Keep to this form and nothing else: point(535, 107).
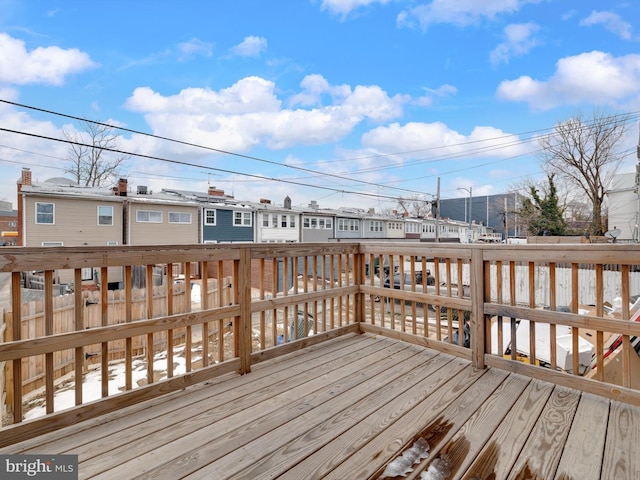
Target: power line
point(179, 162)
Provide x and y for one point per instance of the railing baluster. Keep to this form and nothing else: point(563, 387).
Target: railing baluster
point(128, 349)
point(574, 309)
point(170, 312)
point(48, 330)
point(104, 321)
point(532, 304)
point(150, 314)
point(78, 326)
point(553, 347)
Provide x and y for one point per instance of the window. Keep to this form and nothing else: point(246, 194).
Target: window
point(209, 216)
point(274, 221)
point(148, 216)
point(105, 215)
point(52, 244)
point(265, 220)
point(348, 225)
point(13, 224)
point(242, 219)
point(316, 222)
point(375, 226)
point(283, 219)
point(45, 213)
point(112, 243)
point(87, 273)
point(292, 221)
point(179, 217)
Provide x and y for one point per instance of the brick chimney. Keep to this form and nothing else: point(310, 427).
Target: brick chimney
point(26, 176)
point(215, 192)
point(25, 179)
point(120, 190)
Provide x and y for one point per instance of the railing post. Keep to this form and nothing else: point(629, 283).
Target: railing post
point(358, 266)
point(477, 308)
point(243, 298)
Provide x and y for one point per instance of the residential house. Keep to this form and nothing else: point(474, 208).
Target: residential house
point(164, 218)
point(395, 228)
point(222, 218)
point(349, 223)
point(413, 228)
point(58, 212)
point(8, 224)
point(624, 207)
point(318, 225)
point(374, 226)
point(277, 223)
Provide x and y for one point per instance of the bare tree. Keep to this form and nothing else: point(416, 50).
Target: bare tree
point(585, 153)
point(415, 206)
point(92, 161)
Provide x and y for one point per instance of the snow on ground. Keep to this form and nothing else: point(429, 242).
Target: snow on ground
point(64, 397)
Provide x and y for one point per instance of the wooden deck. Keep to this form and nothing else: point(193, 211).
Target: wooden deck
point(345, 408)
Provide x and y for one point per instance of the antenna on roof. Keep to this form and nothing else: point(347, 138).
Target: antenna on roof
point(209, 177)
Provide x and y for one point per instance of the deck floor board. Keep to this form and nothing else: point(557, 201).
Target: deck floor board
point(347, 407)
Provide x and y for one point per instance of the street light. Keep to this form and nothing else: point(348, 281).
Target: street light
point(470, 190)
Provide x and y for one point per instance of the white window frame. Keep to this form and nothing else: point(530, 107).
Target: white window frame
point(100, 224)
point(149, 213)
point(184, 218)
point(112, 243)
point(206, 216)
point(242, 219)
point(53, 213)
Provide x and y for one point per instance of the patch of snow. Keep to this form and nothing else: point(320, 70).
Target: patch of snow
point(92, 383)
point(403, 464)
point(438, 470)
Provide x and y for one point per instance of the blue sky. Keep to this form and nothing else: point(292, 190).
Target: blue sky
point(345, 102)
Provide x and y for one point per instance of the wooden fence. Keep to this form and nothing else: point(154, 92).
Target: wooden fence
point(33, 326)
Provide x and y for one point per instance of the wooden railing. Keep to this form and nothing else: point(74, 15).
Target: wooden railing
point(480, 302)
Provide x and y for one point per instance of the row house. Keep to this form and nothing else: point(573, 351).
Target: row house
point(317, 224)
point(349, 223)
point(221, 217)
point(58, 212)
point(277, 223)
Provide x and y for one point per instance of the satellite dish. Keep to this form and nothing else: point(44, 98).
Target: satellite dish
point(615, 233)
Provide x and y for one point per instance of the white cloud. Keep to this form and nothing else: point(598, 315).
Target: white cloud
point(458, 12)
point(194, 47)
point(45, 65)
point(249, 113)
point(314, 87)
point(344, 7)
point(611, 21)
point(519, 40)
point(442, 91)
point(594, 77)
point(436, 140)
point(250, 47)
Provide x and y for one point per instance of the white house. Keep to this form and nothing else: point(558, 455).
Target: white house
point(624, 206)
